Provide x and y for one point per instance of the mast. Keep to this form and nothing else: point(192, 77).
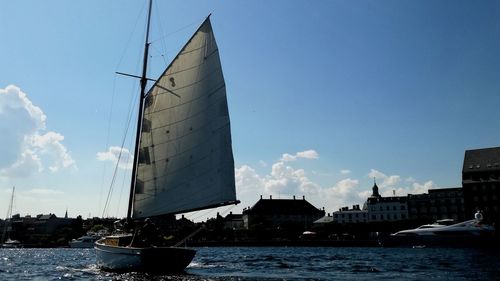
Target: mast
point(144, 81)
point(9, 214)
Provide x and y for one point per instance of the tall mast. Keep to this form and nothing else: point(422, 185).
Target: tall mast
point(144, 81)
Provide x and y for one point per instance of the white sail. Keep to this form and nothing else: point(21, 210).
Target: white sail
point(185, 158)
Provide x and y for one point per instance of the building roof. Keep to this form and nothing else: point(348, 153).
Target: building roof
point(232, 216)
point(482, 160)
point(445, 190)
point(400, 199)
point(46, 217)
point(283, 206)
point(325, 219)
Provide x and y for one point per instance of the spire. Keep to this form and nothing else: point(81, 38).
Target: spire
point(66, 214)
point(375, 193)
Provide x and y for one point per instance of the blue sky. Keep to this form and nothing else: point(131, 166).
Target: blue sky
point(323, 95)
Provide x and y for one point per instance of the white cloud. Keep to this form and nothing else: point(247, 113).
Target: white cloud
point(307, 154)
point(389, 184)
point(387, 181)
point(25, 165)
point(284, 181)
point(345, 172)
point(50, 144)
point(119, 155)
point(287, 180)
point(26, 147)
point(410, 179)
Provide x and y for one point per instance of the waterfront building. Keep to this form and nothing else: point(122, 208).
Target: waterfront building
point(437, 204)
point(233, 221)
point(481, 183)
point(380, 208)
point(355, 215)
point(281, 213)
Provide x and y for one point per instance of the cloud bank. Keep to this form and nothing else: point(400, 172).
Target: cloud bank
point(27, 148)
point(285, 181)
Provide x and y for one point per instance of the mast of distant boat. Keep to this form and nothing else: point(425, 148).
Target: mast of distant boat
point(144, 81)
point(9, 214)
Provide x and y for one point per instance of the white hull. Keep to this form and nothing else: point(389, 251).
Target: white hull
point(11, 244)
point(149, 259)
point(78, 244)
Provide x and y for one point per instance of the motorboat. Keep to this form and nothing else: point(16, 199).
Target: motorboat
point(469, 233)
point(86, 241)
point(11, 243)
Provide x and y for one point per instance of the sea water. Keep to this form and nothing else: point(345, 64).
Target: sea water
point(269, 263)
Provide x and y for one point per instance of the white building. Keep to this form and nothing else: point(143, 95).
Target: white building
point(385, 208)
point(354, 215)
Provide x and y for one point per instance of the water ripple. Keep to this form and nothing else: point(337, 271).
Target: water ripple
point(267, 263)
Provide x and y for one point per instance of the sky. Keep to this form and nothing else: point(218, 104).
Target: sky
point(324, 96)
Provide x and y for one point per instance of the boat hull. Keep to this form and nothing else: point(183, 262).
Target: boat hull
point(439, 241)
point(77, 244)
point(147, 259)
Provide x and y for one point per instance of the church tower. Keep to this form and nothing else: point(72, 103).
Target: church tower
point(375, 193)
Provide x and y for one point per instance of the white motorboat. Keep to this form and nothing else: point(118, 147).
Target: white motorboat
point(86, 241)
point(10, 243)
point(469, 233)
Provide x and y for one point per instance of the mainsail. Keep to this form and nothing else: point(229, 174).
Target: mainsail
point(185, 158)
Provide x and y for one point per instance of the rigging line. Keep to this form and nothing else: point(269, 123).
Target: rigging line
point(107, 139)
point(198, 215)
point(131, 106)
point(121, 189)
point(162, 37)
point(228, 208)
point(131, 35)
point(160, 54)
point(163, 40)
point(127, 44)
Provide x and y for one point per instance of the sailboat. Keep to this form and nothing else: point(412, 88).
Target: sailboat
point(7, 242)
point(184, 156)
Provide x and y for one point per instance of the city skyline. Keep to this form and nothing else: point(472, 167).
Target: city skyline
point(322, 97)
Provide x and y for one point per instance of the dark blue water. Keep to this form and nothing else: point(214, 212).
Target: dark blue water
point(272, 263)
